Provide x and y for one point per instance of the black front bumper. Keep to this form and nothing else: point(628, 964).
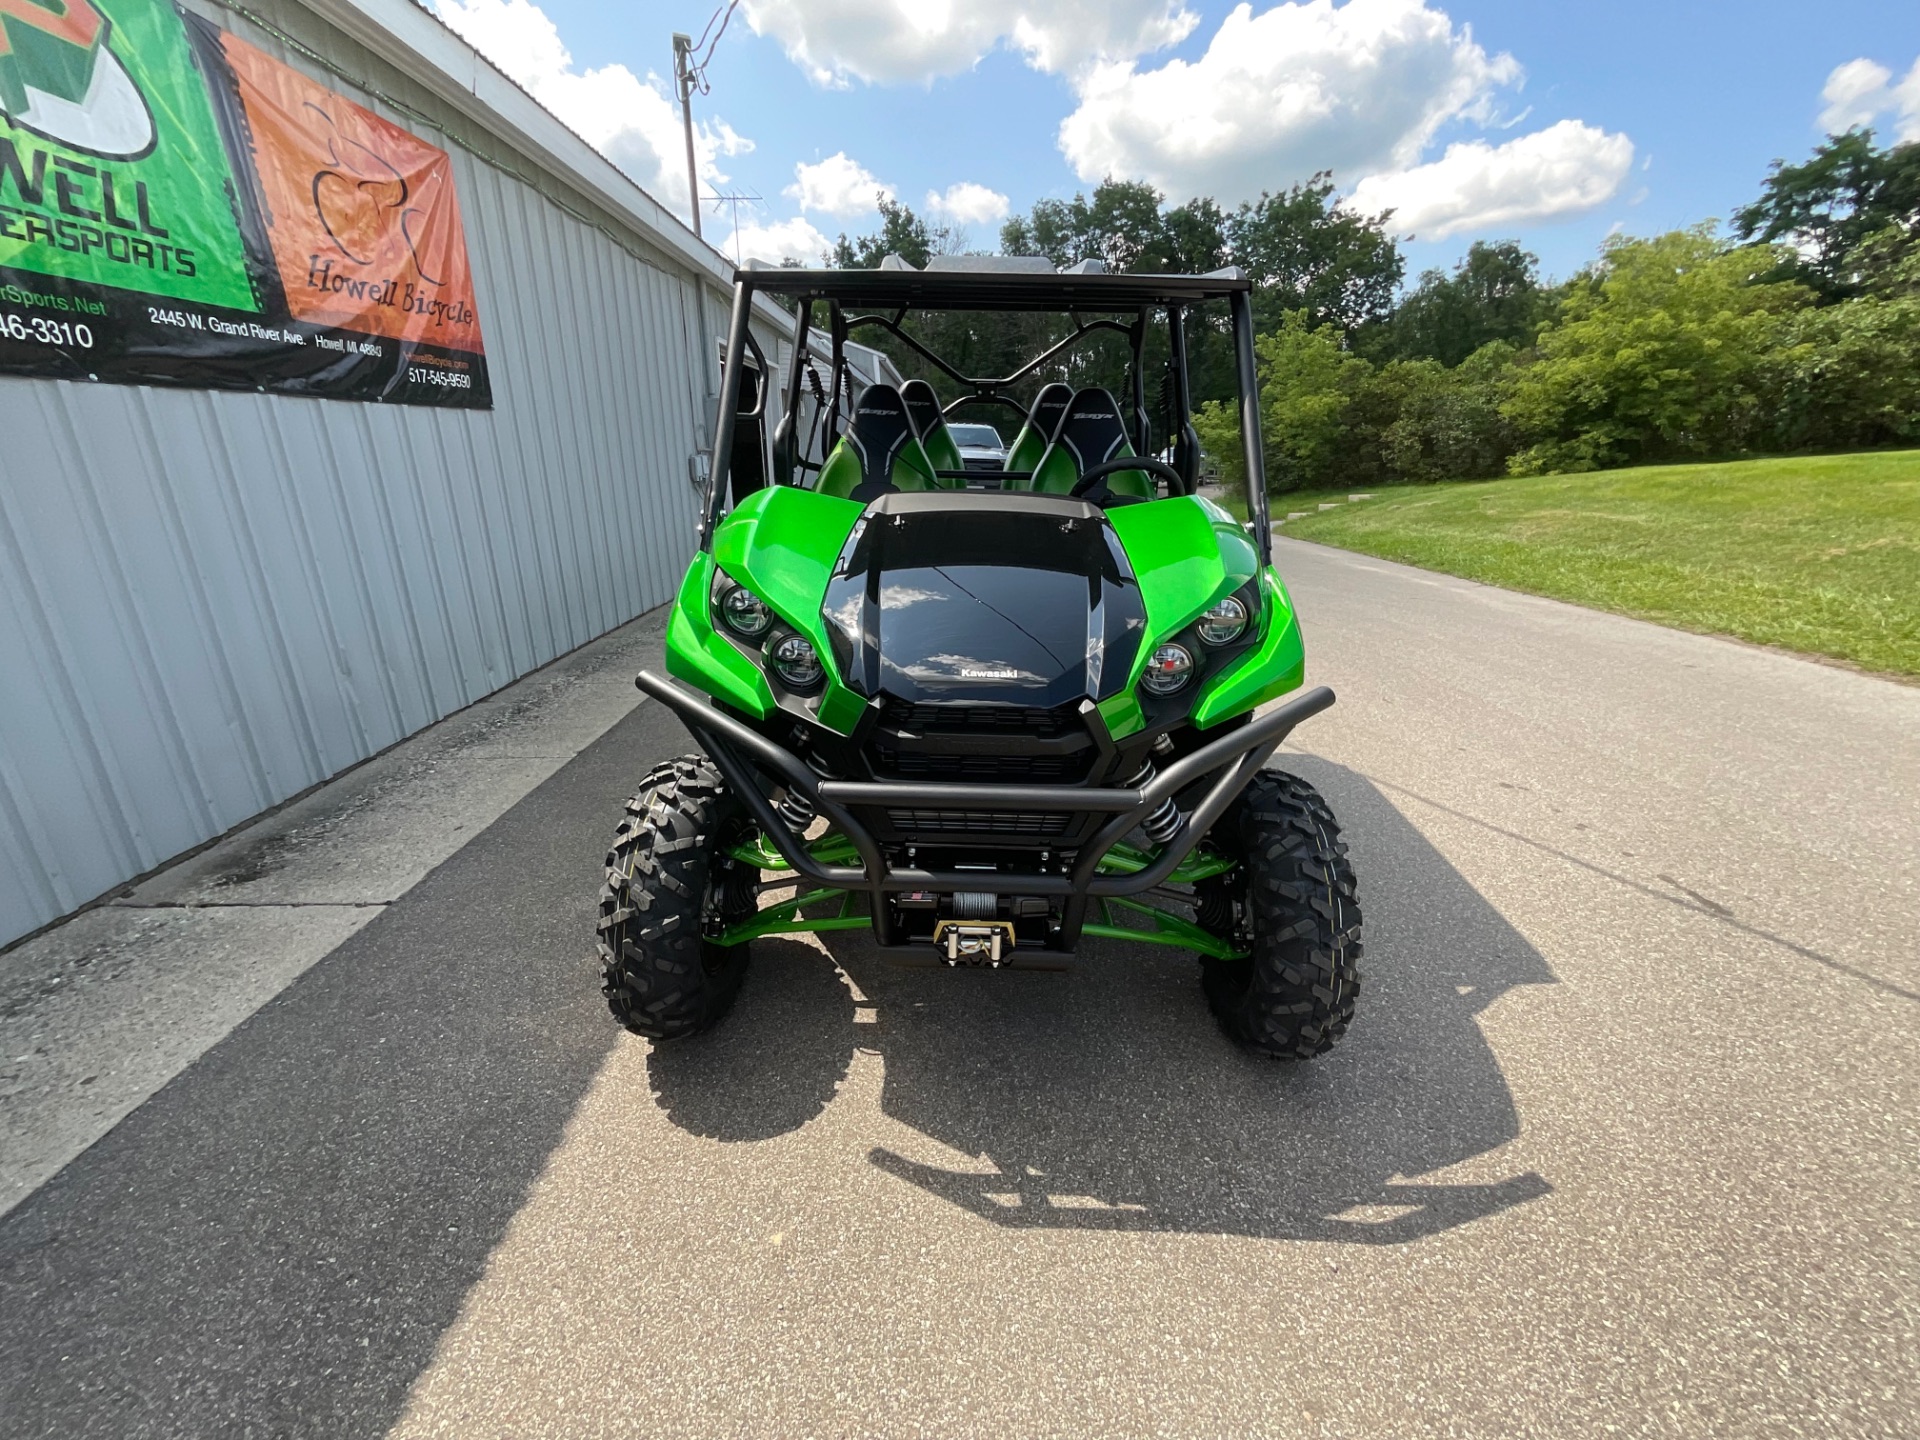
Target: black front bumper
point(1217, 772)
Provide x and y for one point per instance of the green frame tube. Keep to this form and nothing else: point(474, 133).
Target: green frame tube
point(831, 848)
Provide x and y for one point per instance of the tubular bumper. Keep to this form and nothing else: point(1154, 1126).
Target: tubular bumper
point(1228, 763)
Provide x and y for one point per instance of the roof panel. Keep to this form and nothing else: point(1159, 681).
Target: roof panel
point(995, 289)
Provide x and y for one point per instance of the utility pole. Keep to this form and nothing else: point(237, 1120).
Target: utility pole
point(683, 74)
point(691, 75)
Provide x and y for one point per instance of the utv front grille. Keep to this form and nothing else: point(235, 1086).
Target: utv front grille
point(978, 822)
point(983, 769)
point(929, 719)
point(985, 744)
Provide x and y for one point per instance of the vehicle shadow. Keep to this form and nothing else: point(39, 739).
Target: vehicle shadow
point(1106, 1098)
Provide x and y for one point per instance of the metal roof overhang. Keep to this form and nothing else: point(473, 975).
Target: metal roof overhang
point(994, 290)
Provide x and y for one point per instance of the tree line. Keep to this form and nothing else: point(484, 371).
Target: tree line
point(1797, 328)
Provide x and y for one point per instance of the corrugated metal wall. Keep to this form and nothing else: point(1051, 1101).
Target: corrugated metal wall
point(211, 601)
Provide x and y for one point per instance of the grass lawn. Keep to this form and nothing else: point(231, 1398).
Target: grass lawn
point(1818, 555)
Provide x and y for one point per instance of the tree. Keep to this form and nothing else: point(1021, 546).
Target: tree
point(1305, 253)
point(1669, 351)
point(1852, 374)
point(1447, 423)
point(1827, 206)
point(1493, 294)
point(1120, 225)
point(901, 233)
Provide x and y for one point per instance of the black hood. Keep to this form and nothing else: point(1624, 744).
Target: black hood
point(1024, 600)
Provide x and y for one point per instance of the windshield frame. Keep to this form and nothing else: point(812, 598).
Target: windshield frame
point(1169, 292)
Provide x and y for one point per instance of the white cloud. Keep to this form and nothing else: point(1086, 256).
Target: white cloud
point(629, 120)
point(1855, 92)
point(1561, 170)
point(1861, 91)
point(1280, 95)
point(902, 41)
point(968, 204)
point(794, 239)
point(837, 185)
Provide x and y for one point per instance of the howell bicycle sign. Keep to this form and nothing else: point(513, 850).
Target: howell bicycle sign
point(179, 208)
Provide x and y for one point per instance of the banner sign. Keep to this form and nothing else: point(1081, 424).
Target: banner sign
point(180, 208)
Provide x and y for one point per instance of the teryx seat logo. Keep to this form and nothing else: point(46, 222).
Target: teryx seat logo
point(59, 79)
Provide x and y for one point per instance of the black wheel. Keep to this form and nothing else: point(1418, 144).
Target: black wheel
point(670, 888)
point(1290, 902)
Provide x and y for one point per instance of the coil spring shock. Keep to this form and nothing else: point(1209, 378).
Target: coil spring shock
point(1165, 821)
point(796, 810)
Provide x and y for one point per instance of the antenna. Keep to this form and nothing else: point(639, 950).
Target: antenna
point(691, 75)
point(743, 197)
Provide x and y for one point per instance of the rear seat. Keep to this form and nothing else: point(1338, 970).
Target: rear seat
point(1049, 406)
point(930, 423)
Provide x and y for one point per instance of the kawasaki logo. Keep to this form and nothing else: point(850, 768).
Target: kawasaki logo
point(967, 672)
point(59, 79)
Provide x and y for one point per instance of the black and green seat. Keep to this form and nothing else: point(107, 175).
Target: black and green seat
point(879, 453)
point(1091, 433)
point(930, 424)
point(1023, 457)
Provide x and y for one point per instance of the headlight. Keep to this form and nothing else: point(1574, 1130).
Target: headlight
point(794, 661)
point(745, 613)
point(1224, 623)
point(1169, 670)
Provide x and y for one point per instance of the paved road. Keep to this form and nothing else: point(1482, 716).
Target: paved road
point(1623, 1141)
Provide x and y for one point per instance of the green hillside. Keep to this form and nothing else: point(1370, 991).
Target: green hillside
point(1820, 555)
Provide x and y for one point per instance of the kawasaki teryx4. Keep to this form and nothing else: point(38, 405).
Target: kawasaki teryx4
point(985, 723)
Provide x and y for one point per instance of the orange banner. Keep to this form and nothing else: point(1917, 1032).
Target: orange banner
point(363, 221)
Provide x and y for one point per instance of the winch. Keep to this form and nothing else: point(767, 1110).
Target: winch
point(974, 936)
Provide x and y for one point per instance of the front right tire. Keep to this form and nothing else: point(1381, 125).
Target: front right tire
point(670, 887)
point(1290, 902)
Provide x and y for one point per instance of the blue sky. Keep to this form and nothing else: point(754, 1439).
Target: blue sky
point(1554, 123)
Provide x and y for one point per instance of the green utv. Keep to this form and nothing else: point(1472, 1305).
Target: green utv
point(985, 712)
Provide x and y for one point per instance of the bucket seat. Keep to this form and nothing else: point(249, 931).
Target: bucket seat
point(879, 453)
point(1031, 443)
point(930, 423)
point(1091, 432)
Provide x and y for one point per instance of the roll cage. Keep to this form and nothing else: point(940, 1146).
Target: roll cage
point(882, 299)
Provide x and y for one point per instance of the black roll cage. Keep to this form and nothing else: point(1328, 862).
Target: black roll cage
point(884, 297)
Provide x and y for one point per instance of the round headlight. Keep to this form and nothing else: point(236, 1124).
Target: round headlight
point(1169, 670)
point(794, 662)
point(745, 612)
point(1224, 623)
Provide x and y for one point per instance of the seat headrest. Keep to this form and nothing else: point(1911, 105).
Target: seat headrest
point(923, 406)
point(1048, 406)
point(877, 432)
point(1092, 428)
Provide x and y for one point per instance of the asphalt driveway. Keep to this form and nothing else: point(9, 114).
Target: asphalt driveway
point(1623, 1141)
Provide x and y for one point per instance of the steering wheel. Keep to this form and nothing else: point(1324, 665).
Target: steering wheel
point(1095, 476)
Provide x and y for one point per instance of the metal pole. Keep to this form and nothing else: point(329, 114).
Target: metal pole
point(1180, 423)
point(729, 409)
point(1250, 425)
point(683, 74)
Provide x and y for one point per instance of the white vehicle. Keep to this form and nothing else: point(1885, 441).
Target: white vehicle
point(981, 447)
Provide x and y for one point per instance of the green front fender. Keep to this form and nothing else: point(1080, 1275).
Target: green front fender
point(1188, 554)
point(781, 543)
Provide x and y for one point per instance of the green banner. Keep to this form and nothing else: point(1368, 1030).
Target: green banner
point(112, 167)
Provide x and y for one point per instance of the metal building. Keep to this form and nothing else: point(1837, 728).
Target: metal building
point(210, 601)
